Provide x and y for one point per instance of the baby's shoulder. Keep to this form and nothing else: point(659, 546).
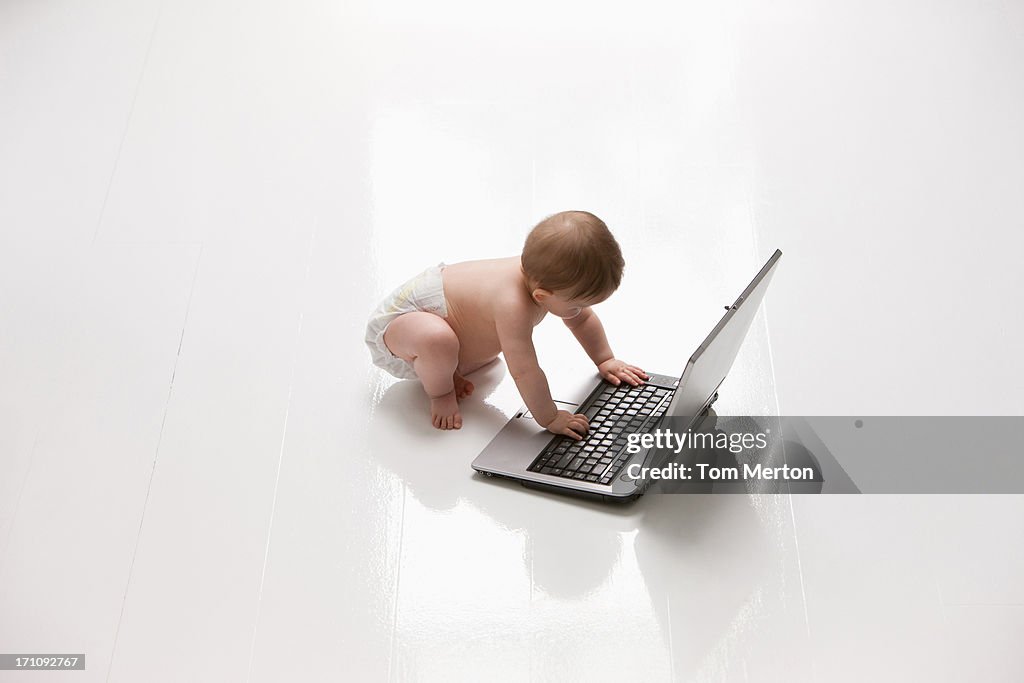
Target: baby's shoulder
point(494, 288)
point(511, 301)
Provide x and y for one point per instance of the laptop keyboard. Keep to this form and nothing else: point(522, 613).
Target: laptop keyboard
point(614, 414)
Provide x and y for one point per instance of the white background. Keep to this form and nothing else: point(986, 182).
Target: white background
point(203, 478)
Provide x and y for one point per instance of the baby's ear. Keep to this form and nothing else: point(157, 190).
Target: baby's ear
point(540, 294)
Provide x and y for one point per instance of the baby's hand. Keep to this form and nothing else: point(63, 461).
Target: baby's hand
point(616, 372)
point(568, 424)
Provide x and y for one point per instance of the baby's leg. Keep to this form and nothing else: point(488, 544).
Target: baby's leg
point(463, 387)
point(429, 344)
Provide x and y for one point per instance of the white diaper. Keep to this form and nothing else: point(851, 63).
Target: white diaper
point(425, 292)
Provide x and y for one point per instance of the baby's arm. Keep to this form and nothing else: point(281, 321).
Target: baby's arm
point(515, 333)
point(589, 331)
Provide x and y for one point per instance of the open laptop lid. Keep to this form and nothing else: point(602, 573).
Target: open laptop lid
point(713, 359)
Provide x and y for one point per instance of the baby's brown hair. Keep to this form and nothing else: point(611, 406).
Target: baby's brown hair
point(573, 252)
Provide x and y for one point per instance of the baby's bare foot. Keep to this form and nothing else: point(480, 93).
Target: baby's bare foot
point(444, 412)
point(463, 387)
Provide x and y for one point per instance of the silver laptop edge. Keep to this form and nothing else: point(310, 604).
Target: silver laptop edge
point(521, 440)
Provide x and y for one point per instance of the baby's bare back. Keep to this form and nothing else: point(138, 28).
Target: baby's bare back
point(477, 292)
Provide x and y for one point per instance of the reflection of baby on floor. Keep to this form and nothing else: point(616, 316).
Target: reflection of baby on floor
point(709, 564)
point(451, 320)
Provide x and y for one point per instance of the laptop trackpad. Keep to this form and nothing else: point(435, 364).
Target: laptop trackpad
point(512, 449)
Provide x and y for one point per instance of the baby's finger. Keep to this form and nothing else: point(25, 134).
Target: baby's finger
point(611, 378)
point(638, 371)
point(629, 377)
point(568, 431)
point(640, 376)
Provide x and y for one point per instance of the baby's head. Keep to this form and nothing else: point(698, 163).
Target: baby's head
point(571, 261)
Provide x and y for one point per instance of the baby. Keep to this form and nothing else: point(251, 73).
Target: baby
point(451, 320)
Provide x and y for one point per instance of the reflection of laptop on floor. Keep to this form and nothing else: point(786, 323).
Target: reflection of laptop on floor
point(596, 466)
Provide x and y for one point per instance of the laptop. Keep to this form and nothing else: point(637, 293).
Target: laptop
point(598, 466)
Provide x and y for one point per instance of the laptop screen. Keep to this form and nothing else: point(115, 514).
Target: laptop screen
point(712, 360)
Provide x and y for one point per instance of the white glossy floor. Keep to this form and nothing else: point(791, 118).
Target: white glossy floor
point(202, 478)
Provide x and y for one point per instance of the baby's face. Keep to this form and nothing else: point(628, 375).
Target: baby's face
point(566, 307)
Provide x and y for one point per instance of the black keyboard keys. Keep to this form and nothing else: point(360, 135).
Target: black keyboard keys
point(614, 414)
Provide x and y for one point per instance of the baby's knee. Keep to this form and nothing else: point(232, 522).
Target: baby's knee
point(438, 338)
